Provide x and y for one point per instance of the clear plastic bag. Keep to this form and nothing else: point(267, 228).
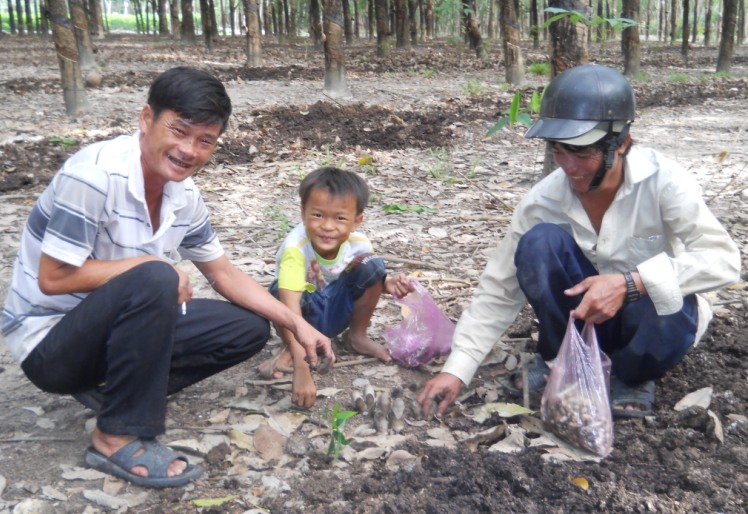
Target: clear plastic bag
point(575, 404)
point(424, 333)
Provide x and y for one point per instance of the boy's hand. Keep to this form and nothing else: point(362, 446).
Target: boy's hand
point(304, 392)
point(398, 286)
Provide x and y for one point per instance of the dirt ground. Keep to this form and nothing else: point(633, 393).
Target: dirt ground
point(414, 124)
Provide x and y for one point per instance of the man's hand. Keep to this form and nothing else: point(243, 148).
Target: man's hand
point(444, 387)
point(314, 344)
point(398, 286)
point(603, 297)
point(184, 289)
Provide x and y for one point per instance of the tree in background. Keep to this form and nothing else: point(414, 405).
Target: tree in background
point(334, 57)
point(726, 44)
point(254, 34)
point(383, 30)
point(187, 32)
point(513, 63)
point(475, 40)
point(401, 23)
point(630, 44)
point(74, 92)
point(315, 24)
point(82, 36)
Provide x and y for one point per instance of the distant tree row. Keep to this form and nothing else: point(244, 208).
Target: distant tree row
point(666, 20)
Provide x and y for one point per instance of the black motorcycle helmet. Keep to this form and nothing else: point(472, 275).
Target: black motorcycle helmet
point(585, 105)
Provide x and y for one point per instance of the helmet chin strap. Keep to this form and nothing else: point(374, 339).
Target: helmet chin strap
point(612, 142)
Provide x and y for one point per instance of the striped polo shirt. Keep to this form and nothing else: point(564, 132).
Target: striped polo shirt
point(95, 208)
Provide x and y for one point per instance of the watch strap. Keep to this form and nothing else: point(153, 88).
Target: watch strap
point(632, 293)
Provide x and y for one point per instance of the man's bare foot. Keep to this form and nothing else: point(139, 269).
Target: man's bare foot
point(276, 366)
point(108, 445)
point(365, 346)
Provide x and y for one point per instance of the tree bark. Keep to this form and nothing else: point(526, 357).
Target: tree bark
point(347, 27)
point(568, 48)
point(97, 19)
point(29, 18)
point(630, 44)
point(673, 22)
point(401, 23)
point(334, 57)
point(708, 23)
point(684, 41)
point(315, 24)
point(82, 35)
point(513, 62)
point(188, 23)
point(254, 39)
point(535, 24)
point(371, 25)
point(383, 31)
point(74, 92)
point(11, 18)
point(413, 28)
point(163, 18)
point(206, 20)
point(174, 19)
point(695, 28)
point(472, 30)
point(727, 41)
point(429, 18)
point(19, 17)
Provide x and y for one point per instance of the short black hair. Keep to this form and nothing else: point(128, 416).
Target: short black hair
point(337, 183)
point(193, 94)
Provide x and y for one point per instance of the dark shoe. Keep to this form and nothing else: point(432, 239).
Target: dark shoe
point(155, 457)
point(537, 376)
point(623, 395)
point(93, 398)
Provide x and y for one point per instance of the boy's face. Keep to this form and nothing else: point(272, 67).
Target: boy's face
point(329, 221)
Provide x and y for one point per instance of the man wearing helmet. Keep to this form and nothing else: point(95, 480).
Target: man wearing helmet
point(618, 236)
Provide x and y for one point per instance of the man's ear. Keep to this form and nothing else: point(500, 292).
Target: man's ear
point(145, 120)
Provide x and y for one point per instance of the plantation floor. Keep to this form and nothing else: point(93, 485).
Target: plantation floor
point(442, 194)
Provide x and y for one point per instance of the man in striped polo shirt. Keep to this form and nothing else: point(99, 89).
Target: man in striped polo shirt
point(97, 308)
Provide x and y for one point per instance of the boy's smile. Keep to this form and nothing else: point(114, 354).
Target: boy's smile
point(329, 221)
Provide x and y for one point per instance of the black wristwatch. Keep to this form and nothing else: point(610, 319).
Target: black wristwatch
point(632, 293)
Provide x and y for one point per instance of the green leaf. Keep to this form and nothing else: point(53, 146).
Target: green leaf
point(514, 108)
point(64, 141)
point(500, 125)
point(212, 502)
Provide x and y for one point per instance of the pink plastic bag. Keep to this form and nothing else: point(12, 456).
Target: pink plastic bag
point(424, 333)
point(575, 404)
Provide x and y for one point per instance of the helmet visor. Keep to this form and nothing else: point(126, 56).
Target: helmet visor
point(572, 132)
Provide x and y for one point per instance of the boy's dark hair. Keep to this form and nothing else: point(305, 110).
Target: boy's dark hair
point(193, 94)
point(337, 183)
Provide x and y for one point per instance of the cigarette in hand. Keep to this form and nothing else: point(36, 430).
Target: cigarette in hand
point(184, 308)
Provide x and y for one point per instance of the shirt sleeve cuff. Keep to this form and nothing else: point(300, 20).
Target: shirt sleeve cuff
point(659, 278)
point(461, 365)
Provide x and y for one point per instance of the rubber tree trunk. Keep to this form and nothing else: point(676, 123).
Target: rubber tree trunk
point(174, 19)
point(401, 23)
point(315, 24)
point(188, 23)
point(334, 57)
point(475, 40)
point(347, 25)
point(254, 34)
point(383, 30)
point(207, 22)
point(727, 41)
point(163, 18)
point(568, 48)
point(82, 35)
point(74, 92)
point(513, 62)
point(97, 19)
point(686, 33)
point(630, 44)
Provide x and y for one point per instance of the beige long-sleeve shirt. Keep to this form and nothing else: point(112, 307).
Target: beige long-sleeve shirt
point(658, 225)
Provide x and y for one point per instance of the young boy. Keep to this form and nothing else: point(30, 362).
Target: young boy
point(328, 273)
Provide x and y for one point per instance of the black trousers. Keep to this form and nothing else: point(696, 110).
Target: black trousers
point(129, 337)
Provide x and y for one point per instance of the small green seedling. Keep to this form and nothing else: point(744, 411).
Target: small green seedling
point(517, 114)
point(394, 208)
point(63, 141)
point(337, 438)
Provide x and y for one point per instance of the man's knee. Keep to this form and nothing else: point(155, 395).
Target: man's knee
point(156, 279)
point(542, 236)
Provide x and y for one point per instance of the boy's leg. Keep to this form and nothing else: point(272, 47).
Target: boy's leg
point(282, 361)
point(351, 303)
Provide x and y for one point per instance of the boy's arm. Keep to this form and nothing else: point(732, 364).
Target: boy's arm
point(304, 391)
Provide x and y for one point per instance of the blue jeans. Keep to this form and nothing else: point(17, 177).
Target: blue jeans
point(330, 309)
point(130, 336)
point(641, 344)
